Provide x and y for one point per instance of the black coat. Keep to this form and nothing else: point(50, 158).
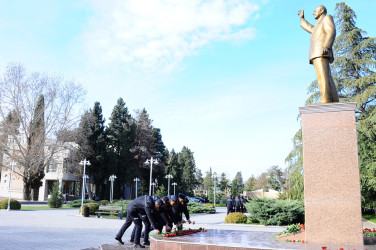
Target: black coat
point(144, 205)
point(229, 203)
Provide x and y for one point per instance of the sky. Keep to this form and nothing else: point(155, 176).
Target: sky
point(224, 78)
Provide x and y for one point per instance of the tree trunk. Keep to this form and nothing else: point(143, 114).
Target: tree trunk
point(26, 191)
point(90, 194)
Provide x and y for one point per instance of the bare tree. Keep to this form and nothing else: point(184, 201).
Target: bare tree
point(40, 105)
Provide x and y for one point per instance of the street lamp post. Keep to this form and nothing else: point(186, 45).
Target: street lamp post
point(112, 179)
point(169, 176)
point(84, 177)
point(10, 183)
point(153, 184)
point(215, 181)
point(174, 184)
point(136, 180)
point(151, 161)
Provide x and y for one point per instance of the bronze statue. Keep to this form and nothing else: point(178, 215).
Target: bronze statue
point(321, 51)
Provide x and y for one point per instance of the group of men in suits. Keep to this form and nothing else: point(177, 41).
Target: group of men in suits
point(236, 204)
point(155, 213)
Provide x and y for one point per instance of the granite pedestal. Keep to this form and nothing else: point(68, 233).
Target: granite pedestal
point(331, 174)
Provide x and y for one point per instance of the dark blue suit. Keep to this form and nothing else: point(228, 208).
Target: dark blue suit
point(140, 210)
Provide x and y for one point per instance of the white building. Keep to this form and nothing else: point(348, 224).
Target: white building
point(261, 193)
point(57, 170)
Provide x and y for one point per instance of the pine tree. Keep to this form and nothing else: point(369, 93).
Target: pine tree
point(121, 138)
point(224, 183)
point(161, 191)
point(188, 166)
point(237, 185)
point(56, 200)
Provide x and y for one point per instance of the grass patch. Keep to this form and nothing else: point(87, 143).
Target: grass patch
point(370, 217)
point(43, 207)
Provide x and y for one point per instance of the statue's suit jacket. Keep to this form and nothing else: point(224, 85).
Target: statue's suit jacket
point(323, 35)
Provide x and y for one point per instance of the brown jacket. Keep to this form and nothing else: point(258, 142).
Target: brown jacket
point(323, 35)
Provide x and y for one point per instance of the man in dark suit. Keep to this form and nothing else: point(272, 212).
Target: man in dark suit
point(321, 51)
point(143, 209)
point(230, 205)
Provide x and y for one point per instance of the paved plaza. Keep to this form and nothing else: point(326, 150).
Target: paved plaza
point(65, 229)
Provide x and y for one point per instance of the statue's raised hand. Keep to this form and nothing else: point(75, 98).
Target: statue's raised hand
point(301, 13)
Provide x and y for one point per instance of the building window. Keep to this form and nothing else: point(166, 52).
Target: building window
point(51, 167)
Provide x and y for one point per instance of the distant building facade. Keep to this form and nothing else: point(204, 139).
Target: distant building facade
point(261, 193)
point(57, 170)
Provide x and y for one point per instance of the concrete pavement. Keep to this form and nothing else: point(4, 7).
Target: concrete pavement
point(65, 229)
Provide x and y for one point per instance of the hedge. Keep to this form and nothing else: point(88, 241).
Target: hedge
point(197, 208)
point(77, 203)
point(275, 212)
point(14, 204)
point(236, 218)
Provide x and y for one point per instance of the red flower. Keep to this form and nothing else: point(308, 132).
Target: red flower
point(323, 247)
point(302, 241)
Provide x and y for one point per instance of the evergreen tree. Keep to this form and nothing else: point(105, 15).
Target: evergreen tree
point(188, 166)
point(250, 184)
point(275, 179)
point(97, 141)
point(144, 147)
point(35, 150)
point(57, 199)
point(161, 191)
point(121, 139)
point(237, 185)
point(224, 183)
point(208, 181)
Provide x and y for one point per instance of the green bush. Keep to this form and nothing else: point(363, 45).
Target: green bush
point(14, 204)
point(123, 204)
point(275, 212)
point(104, 202)
point(236, 218)
point(197, 208)
point(77, 203)
point(57, 199)
point(93, 207)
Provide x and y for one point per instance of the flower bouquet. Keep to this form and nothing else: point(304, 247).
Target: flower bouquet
point(189, 231)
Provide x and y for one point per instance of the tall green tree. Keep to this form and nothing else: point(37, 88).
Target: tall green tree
point(237, 185)
point(188, 166)
point(224, 183)
point(355, 73)
point(36, 142)
point(208, 181)
point(251, 184)
point(92, 139)
point(121, 139)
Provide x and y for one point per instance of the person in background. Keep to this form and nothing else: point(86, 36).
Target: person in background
point(230, 205)
point(238, 204)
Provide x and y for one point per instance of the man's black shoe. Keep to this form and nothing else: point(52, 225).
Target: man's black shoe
point(131, 240)
point(147, 243)
point(138, 246)
point(120, 241)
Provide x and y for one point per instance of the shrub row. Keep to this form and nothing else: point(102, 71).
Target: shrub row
point(275, 212)
point(197, 208)
point(14, 204)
